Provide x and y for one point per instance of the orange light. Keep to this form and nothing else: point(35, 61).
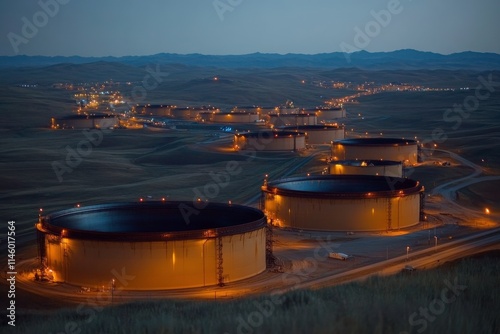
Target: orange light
point(487, 211)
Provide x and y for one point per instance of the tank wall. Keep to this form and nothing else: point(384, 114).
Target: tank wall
point(205, 117)
point(287, 120)
point(163, 111)
point(85, 123)
point(325, 115)
point(405, 211)
point(156, 265)
point(183, 113)
point(406, 153)
point(265, 111)
point(244, 255)
point(235, 118)
point(106, 123)
point(343, 214)
point(324, 136)
point(271, 144)
point(391, 170)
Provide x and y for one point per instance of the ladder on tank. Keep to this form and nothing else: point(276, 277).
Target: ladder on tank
point(219, 261)
point(389, 214)
point(270, 259)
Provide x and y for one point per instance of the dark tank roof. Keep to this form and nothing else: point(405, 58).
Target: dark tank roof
point(311, 127)
point(238, 113)
point(292, 115)
point(85, 116)
point(344, 186)
point(359, 163)
point(155, 106)
point(270, 134)
point(375, 142)
point(153, 221)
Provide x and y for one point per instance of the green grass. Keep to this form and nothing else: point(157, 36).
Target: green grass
point(378, 305)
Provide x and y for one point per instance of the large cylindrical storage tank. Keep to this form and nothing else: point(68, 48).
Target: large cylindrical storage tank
point(319, 134)
point(157, 245)
point(267, 110)
point(235, 117)
point(329, 114)
point(250, 109)
point(367, 167)
point(394, 149)
point(205, 116)
point(278, 120)
point(270, 141)
point(343, 202)
point(154, 109)
point(182, 113)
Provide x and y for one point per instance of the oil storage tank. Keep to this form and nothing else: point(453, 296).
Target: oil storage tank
point(327, 114)
point(154, 109)
point(161, 244)
point(343, 202)
point(277, 120)
point(236, 117)
point(367, 167)
point(318, 134)
point(85, 121)
point(269, 140)
point(395, 149)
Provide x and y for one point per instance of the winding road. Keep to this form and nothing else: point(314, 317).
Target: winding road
point(449, 189)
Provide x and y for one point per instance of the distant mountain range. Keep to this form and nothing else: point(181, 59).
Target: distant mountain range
point(395, 60)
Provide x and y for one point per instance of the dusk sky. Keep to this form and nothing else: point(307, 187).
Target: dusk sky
point(133, 27)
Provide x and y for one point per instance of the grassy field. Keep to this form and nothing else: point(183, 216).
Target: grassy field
point(460, 297)
point(477, 196)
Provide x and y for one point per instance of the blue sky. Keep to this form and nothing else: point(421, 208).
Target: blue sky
point(135, 27)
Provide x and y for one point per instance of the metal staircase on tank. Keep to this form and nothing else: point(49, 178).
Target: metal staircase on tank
point(422, 206)
point(270, 260)
point(389, 214)
point(219, 261)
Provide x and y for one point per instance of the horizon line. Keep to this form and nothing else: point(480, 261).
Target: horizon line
point(257, 52)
